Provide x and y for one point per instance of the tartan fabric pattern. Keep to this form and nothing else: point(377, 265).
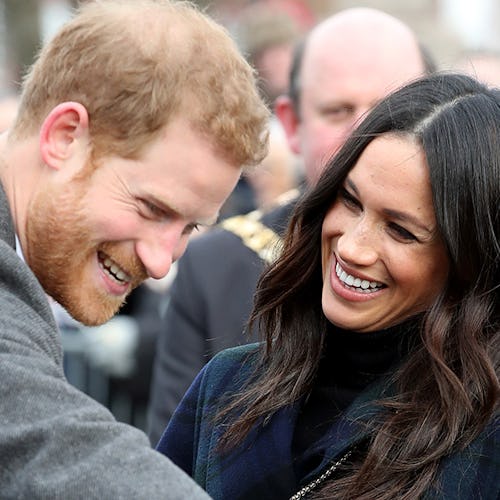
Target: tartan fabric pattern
point(261, 467)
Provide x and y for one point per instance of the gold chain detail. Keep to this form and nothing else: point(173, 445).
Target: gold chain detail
point(255, 235)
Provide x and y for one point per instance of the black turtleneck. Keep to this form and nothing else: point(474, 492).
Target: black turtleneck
point(351, 361)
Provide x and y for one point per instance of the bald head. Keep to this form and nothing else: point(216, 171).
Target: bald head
point(349, 62)
point(362, 45)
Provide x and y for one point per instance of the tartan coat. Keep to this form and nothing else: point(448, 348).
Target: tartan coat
point(249, 471)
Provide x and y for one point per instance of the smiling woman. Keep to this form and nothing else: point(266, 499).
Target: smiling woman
point(382, 263)
point(381, 318)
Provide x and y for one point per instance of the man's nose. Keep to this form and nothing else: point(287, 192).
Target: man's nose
point(158, 249)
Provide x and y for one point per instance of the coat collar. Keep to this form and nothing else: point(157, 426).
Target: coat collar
point(7, 232)
point(351, 428)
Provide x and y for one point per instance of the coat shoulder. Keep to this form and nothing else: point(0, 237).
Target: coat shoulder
point(232, 366)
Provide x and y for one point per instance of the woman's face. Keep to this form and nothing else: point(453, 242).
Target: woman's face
point(382, 257)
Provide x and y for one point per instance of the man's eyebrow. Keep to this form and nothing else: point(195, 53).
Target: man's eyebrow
point(396, 214)
point(168, 208)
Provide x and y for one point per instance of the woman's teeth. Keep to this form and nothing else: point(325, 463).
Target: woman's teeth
point(357, 284)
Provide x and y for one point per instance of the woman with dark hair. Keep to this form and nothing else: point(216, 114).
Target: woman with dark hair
point(378, 376)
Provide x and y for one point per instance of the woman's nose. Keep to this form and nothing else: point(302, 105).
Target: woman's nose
point(357, 245)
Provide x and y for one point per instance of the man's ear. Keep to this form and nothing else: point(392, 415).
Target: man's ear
point(285, 111)
point(63, 132)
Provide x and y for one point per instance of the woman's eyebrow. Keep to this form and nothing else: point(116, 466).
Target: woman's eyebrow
point(397, 214)
point(351, 184)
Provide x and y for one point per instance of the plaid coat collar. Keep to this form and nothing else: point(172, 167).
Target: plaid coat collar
point(261, 467)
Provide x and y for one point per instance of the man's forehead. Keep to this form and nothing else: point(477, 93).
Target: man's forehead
point(342, 62)
point(336, 83)
point(357, 78)
point(361, 41)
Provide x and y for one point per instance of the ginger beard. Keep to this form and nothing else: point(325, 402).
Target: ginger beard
point(63, 257)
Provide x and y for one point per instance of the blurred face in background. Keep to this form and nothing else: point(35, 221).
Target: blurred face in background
point(350, 62)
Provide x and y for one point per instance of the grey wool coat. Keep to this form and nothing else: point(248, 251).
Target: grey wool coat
point(55, 442)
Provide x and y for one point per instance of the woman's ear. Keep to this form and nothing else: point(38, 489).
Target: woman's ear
point(63, 132)
point(284, 109)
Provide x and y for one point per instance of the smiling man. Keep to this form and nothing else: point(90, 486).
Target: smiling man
point(133, 127)
point(118, 221)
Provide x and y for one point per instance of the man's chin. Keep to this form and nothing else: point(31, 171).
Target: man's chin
point(88, 320)
point(92, 314)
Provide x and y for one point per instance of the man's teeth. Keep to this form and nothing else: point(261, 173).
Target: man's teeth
point(113, 270)
point(357, 284)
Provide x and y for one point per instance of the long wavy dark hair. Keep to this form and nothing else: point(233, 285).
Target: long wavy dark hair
point(448, 387)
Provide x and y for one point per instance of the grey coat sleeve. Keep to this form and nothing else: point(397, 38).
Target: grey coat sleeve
point(55, 442)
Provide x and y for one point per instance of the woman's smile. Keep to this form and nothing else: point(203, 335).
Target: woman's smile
point(352, 287)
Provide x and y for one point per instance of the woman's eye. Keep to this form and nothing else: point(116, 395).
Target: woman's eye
point(401, 232)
